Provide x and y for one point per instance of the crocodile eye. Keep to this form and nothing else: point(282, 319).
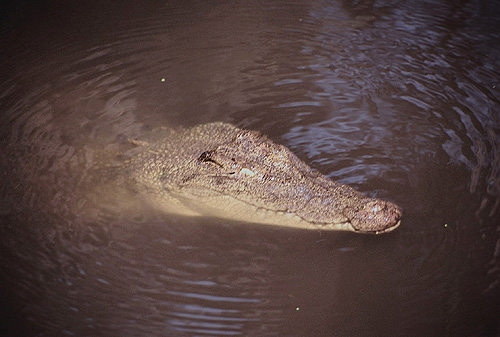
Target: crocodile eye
point(206, 157)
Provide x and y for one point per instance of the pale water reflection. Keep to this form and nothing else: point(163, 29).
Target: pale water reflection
point(399, 99)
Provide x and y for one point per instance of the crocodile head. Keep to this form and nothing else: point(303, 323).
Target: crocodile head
point(245, 176)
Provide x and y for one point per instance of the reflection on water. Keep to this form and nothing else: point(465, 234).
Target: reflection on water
point(399, 100)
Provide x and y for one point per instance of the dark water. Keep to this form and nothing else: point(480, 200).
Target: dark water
point(399, 99)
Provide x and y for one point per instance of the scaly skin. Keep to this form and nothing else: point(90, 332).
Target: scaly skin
point(219, 170)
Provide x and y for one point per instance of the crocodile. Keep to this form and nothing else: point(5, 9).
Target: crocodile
point(220, 170)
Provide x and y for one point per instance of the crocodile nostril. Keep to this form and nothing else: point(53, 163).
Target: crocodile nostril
point(374, 206)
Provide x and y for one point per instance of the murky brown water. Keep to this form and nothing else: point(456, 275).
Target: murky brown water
point(399, 99)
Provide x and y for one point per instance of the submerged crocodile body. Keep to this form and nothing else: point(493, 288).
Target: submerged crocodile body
point(220, 170)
